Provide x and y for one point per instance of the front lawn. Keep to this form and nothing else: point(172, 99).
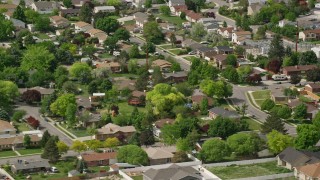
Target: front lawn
point(21, 126)
point(105, 55)
point(167, 46)
point(42, 36)
point(261, 95)
point(79, 132)
point(126, 109)
point(179, 51)
point(252, 170)
point(253, 125)
point(30, 151)
point(7, 153)
point(99, 168)
point(172, 19)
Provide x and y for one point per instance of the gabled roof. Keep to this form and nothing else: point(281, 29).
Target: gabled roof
point(42, 163)
point(46, 4)
point(8, 6)
point(194, 15)
point(299, 68)
point(99, 156)
point(220, 57)
point(229, 29)
point(310, 170)
point(112, 129)
point(242, 33)
point(298, 158)
point(158, 153)
point(224, 48)
point(43, 91)
point(161, 63)
point(314, 85)
point(173, 172)
point(6, 126)
point(81, 24)
point(224, 113)
point(315, 31)
point(198, 99)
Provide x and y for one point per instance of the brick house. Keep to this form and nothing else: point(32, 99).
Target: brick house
point(6, 128)
point(310, 35)
point(314, 88)
point(115, 67)
point(100, 159)
point(299, 69)
point(309, 171)
point(175, 77)
point(111, 130)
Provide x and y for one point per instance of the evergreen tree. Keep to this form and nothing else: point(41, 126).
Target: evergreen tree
point(273, 122)
point(45, 138)
point(51, 151)
point(19, 14)
point(276, 49)
point(86, 12)
point(26, 141)
point(4, 115)
point(81, 165)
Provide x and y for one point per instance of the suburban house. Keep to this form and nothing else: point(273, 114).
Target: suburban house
point(211, 27)
point(43, 91)
point(18, 24)
point(111, 130)
point(104, 9)
point(59, 22)
point(137, 98)
point(299, 69)
point(203, 49)
point(124, 83)
point(82, 26)
point(26, 167)
point(239, 37)
point(209, 56)
point(291, 158)
point(222, 112)
point(99, 159)
point(193, 17)
point(140, 18)
point(163, 64)
point(284, 22)
point(69, 12)
point(45, 7)
point(312, 87)
point(9, 7)
point(160, 155)
point(16, 141)
point(277, 95)
point(197, 99)
point(223, 50)
point(174, 172)
point(7, 129)
point(309, 171)
point(178, 9)
point(175, 77)
point(225, 32)
point(78, 3)
point(187, 42)
point(220, 60)
point(159, 124)
point(310, 35)
point(114, 67)
point(254, 8)
point(172, 3)
point(312, 109)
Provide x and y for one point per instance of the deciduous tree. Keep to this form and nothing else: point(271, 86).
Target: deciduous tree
point(37, 57)
point(31, 96)
point(152, 32)
point(78, 146)
point(245, 144)
point(62, 147)
point(277, 141)
point(132, 154)
point(108, 25)
point(214, 150)
point(308, 136)
point(59, 107)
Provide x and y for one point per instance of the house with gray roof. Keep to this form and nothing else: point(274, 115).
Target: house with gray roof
point(175, 77)
point(291, 158)
point(176, 3)
point(223, 112)
point(24, 167)
point(140, 18)
point(45, 7)
point(18, 24)
point(224, 49)
point(173, 172)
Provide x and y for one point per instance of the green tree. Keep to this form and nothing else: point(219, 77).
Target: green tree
point(173, 39)
point(214, 150)
point(71, 114)
point(6, 28)
point(308, 57)
point(198, 31)
point(122, 34)
point(295, 79)
point(31, 15)
point(67, 3)
point(242, 109)
point(42, 24)
point(108, 25)
point(17, 115)
point(284, 112)
point(316, 120)
point(62, 147)
point(183, 145)
point(219, 89)
point(277, 142)
point(148, 4)
point(28, 40)
point(27, 141)
point(37, 57)
point(180, 156)
point(148, 47)
point(276, 49)
point(82, 71)
point(134, 52)
point(19, 14)
point(94, 144)
point(300, 111)
point(9, 90)
point(59, 107)
point(45, 138)
point(113, 2)
point(244, 144)
point(132, 154)
point(267, 104)
point(4, 115)
point(51, 151)
point(165, 10)
point(164, 97)
point(308, 136)
point(183, 15)
point(232, 60)
point(88, 50)
point(222, 127)
point(110, 44)
point(112, 142)
point(152, 32)
point(86, 12)
point(273, 122)
point(78, 146)
point(204, 106)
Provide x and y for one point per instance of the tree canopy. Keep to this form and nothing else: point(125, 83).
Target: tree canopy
point(214, 150)
point(37, 57)
point(59, 107)
point(132, 154)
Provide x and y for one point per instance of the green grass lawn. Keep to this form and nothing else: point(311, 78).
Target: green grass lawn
point(253, 125)
point(252, 170)
point(98, 168)
point(261, 94)
point(178, 51)
point(30, 151)
point(259, 102)
point(172, 19)
point(64, 166)
point(126, 109)
point(130, 22)
point(7, 153)
point(105, 55)
point(124, 75)
point(191, 58)
point(21, 126)
point(42, 36)
point(80, 132)
point(168, 46)
point(137, 177)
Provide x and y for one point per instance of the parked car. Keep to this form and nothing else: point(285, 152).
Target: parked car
point(54, 170)
point(191, 53)
point(156, 53)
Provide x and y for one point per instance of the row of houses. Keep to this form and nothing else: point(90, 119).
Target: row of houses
point(89, 29)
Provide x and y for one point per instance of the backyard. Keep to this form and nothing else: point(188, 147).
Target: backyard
point(7, 153)
point(79, 132)
point(172, 19)
point(21, 126)
point(252, 170)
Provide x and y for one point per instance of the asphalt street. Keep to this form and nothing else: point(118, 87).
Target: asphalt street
point(219, 3)
point(44, 125)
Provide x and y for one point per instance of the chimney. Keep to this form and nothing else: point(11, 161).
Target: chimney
point(296, 66)
point(111, 130)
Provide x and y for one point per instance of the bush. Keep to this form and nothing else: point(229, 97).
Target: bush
point(267, 105)
point(18, 115)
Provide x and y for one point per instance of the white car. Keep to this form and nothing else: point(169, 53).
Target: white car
point(54, 169)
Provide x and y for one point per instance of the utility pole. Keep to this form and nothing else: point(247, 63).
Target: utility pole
point(147, 55)
point(297, 37)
